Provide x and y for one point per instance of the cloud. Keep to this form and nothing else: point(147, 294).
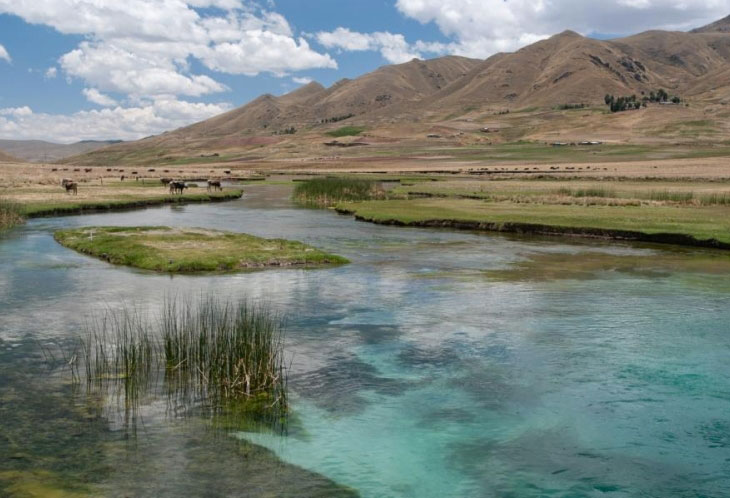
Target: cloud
point(95, 96)
point(51, 72)
point(144, 48)
point(133, 72)
point(4, 55)
point(479, 28)
point(16, 111)
point(126, 123)
point(393, 47)
point(302, 81)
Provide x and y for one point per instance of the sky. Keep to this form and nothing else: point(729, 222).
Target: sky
point(75, 70)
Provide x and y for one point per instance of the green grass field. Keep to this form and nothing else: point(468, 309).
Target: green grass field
point(346, 131)
point(172, 250)
point(702, 223)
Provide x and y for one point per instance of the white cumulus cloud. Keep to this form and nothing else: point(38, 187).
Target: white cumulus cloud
point(147, 51)
point(16, 111)
point(126, 123)
point(393, 47)
point(480, 28)
point(143, 48)
point(4, 55)
point(95, 96)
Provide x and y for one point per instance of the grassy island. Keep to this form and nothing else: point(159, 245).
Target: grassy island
point(189, 250)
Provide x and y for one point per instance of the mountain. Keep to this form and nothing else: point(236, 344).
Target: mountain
point(7, 158)
point(721, 26)
point(569, 68)
point(404, 101)
point(39, 151)
point(312, 103)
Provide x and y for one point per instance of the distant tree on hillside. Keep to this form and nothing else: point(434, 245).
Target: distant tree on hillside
point(618, 104)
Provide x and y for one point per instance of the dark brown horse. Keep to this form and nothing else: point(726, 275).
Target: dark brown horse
point(177, 187)
point(214, 185)
point(70, 186)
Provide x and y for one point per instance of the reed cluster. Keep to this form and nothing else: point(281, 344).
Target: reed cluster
point(586, 192)
point(716, 199)
point(670, 196)
point(210, 349)
point(677, 197)
point(233, 350)
point(11, 214)
point(328, 191)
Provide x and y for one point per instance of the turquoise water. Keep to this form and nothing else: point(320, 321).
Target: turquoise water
point(437, 364)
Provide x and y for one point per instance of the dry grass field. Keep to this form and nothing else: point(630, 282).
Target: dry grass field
point(38, 190)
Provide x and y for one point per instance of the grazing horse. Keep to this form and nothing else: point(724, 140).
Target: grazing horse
point(165, 181)
point(70, 186)
point(177, 187)
point(214, 185)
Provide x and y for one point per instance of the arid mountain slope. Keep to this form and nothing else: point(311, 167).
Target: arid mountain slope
point(313, 104)
point(7, 158)
point(569, 68)
point(721, 26)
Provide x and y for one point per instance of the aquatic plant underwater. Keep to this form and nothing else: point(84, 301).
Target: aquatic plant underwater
point(206, 354)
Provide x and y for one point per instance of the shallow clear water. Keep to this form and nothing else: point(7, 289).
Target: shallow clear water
point(437, 364)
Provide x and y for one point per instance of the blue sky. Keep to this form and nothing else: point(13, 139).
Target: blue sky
point(97, 69)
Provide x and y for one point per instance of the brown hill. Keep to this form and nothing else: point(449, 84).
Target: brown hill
point(7, 158)
point(313, 104)
point(564, 69)
point(721, 26)
point(310, 105)
point(569, 68)
point(40, 151)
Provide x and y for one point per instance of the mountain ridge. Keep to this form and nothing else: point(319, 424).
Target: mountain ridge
point(43, 151)
point(563, 70)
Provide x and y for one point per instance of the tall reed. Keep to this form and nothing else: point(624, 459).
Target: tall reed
point(233, 350)
point(586, 192)
point(330, 190)
point(671, 196)
point(11, 214)
point(715, 199)
point(208, 349)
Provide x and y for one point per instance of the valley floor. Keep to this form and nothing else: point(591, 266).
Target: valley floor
point(682, 201)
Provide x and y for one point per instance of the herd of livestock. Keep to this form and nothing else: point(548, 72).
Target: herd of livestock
point(176, 186)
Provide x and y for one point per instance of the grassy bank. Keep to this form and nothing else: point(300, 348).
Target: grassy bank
point(701, 226)
point(189, 250)
point(577, 191)
point(328, 191)
point(11, 214)
point(72, 206)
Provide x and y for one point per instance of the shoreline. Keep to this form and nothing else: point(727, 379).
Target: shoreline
point(104, 206)
point(547, 230)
